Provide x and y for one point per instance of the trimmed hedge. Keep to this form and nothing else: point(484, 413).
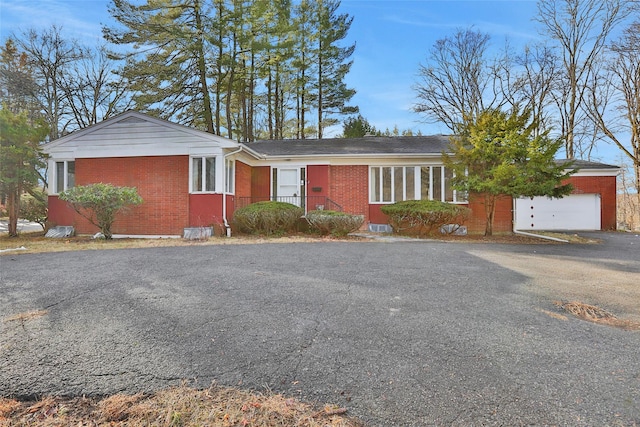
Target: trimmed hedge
point(334, 223)
point(424, 217)
point(268, 218)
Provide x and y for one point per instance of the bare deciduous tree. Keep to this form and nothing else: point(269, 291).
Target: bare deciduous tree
point(535, 82)
point(457, 80)
point(581, 29)
point(93, 90)
point(614, 97)
point(50, 57)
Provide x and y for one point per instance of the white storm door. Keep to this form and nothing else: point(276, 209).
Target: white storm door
point(289, 185)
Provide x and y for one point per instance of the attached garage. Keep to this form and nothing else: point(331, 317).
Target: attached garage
point(573, 212)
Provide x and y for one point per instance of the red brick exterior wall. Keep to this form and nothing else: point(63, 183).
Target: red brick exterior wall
point(243, 179)
point(318, 181)
point(60, 213)
point(261, 182)
point(502, 220)
point(162, 182)
point(205, 210)
point(349, 187)
point(606, 187)
point(376, 216)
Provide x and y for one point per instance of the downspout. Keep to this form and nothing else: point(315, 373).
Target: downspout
point(224, 193)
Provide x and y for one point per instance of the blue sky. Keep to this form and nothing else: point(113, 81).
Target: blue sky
point(392, 39)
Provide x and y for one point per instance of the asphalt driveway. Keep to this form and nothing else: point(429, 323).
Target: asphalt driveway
point(405, 333)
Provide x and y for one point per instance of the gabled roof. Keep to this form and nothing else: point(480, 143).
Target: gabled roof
point(132, 132)
point(336, 147)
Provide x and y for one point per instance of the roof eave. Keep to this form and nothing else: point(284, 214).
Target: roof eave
point(346, 156)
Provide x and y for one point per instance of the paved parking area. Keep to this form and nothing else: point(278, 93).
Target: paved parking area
point(400, 333)
point(24, 226)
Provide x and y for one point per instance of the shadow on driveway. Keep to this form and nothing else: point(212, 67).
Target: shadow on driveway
point(404, 333)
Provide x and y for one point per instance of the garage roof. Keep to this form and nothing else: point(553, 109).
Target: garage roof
point(584, 164)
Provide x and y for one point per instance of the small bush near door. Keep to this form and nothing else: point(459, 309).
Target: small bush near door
point(334, 223)
point(424, 217)
point(267, 218)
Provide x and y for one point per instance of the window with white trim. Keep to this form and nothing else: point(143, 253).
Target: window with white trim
point(390, 184)
point(230, 170)
point(203, 174)
point(64, 175)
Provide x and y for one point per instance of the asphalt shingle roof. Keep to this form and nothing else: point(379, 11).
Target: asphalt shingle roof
point(370, 145)
point(584, 164)
point(374, 145)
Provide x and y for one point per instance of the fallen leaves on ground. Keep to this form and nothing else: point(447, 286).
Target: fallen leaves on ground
point(596, 314)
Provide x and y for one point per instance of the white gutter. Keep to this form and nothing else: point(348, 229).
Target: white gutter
point(348, 156)
point(252, 152)
point(224, 193)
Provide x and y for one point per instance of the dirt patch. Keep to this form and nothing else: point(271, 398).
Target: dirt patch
point(179, 406)
point(596, 314)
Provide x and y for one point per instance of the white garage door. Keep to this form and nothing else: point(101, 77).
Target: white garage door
point(573, 212)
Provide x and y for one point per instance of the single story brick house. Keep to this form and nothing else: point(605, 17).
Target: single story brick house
point(189, 178)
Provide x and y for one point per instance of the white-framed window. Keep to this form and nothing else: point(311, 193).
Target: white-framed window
point(203, 174)
point(390, 184)
point(230, 171)
point(64, 175)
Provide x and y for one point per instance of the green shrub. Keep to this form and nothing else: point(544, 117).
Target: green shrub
point(34, 209)
point(267, 218)
point(424, 217)
point(332, 222)
point(101, 203)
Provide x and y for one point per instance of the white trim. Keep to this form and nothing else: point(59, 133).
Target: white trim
point(596, 172)
point(229, 175)
point(53, 175)
point(222, 142)
point(203, 177)
point(252, 158)
point(417, 184)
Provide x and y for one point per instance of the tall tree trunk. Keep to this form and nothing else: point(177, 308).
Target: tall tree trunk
point(276, 101)
point(219, 70)
point(320, 89)
point(230, 83)
point(252, 79)
point(270, 103)
point(13, 205)
point(244, 118)
point(490, 211)
point(202, 70)
point(302, 101)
